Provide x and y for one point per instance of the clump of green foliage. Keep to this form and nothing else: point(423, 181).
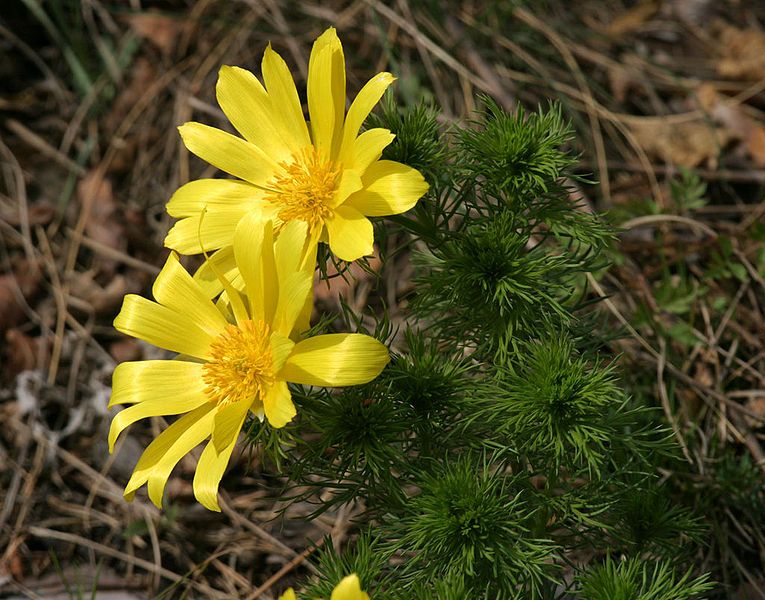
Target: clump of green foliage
point(498, 455)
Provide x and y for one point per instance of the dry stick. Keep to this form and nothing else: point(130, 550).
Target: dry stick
point(198, 8)
point(147, 516)
point(212, 59)
point(714, 336)
point(13, 488)
point(756, 215)
point(232, 578)
point(660, 364)
point(18, 295)
point(568, 57)
point(749, 439)
point(286, 569)
point(256, 529)
point(42, 146)
point(110, 492)
point(426, 42)
point(45, 533)
point(476, 62)
point(113, 493)
point(21, 197)
point(50, 76)
point(651, 219)
point(26, 492)
point(756, 175)
point(100, 173)
point(117, 255)
point(79, 115)
point(439, 89)
point(753, 273)
point(60, 299)
point(547, 80)
point(684, 377)
point(282, 26)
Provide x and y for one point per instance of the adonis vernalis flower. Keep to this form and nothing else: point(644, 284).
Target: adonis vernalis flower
point(235, 356)
point(348, 589)
point(325, 175)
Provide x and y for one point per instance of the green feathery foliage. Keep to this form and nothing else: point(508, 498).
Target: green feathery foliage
point(498, 449)
point(636, 579)
point(472, 520)
point(367, 559)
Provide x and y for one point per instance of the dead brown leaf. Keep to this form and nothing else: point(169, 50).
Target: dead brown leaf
point(38, 214)
point(620, 82)
point(21, 353)
point(104, 224)
point(160, 30)
point(25, 279)
point(103, 298)
point(742, 52)
point(684, 144)
point(143, 74)
point(739, 125)
point(125, 349)
point(756, 405)
point(633, 18)
point(755, 145)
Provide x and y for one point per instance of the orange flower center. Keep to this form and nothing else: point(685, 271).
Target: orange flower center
point(305, 188)
point(242, 366)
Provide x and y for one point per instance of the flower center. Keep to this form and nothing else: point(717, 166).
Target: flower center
point(305, 188)
point(242, 366)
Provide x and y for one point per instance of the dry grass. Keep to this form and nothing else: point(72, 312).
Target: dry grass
point(87, 162)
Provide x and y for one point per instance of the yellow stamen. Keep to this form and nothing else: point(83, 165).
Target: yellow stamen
point(242, 366)
point(304, 189)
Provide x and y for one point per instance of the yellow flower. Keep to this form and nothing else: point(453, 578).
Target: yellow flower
point(326, 175)
point(348, 589)
point(235, 357)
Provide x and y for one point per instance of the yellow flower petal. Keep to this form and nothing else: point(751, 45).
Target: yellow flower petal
point(254, 253)
point(175, 289)
point(223, 263)
point(350, 233)
point(278, 405)
point(336, 359)
point(360, 108)
point(293, 292)
point(228, 152)
point(210, 469)
point(228, 423)
point(281, 347)
point(245, 102)
point(217, 227)
point(303, 321)
point(390, 188)
point(168, 448)
point(192, 198)
point(187, 441)
point(326, 93)
point(160, 407)
point(163, 327)
point(350, 183)
point(288, 595)
point(285, 103)
point(349, 589)
point(154, 388)
point(290, 246)
point(368, 148)
point(142, 380)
